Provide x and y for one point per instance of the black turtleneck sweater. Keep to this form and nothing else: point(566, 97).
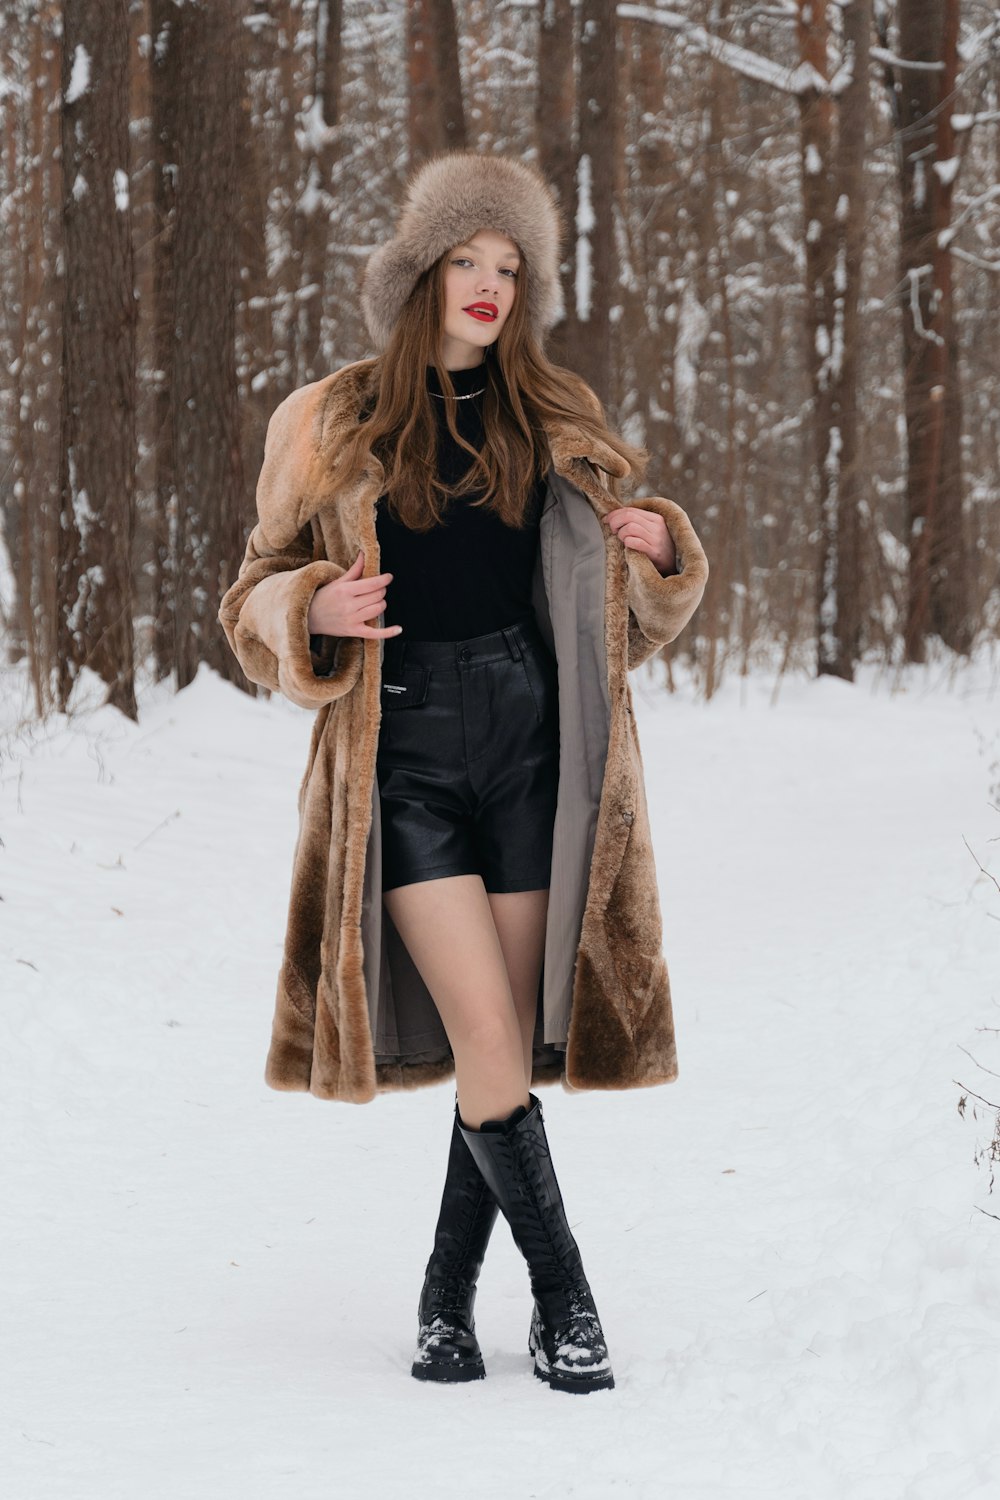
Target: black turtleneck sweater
point(472, 574)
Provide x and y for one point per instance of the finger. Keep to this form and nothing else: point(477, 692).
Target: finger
point(637, 544)
point(635, 534)
point(625, 514)
point(377, 580)
point(376, 632)
point(367, 617)
point(652, 529)
point(367, 602)
point(648, 521)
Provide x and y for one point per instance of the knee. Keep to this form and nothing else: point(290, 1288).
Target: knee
point(493, 1036)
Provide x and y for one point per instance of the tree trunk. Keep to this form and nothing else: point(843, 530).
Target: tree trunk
point(852, 114)
point(166, 85)
point(94, 588)
point(316, 204)
point(832, 142)
point(928, 33)
point(31, 347)
point(555, 95)
point(596, 288)
point(436, 113)
point(206, 430)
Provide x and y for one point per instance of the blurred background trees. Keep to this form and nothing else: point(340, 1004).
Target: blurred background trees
point(782, 276)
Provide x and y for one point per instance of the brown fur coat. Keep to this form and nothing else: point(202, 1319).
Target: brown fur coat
point(353, 1017)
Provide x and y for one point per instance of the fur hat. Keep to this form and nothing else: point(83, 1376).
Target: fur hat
point(447, 199)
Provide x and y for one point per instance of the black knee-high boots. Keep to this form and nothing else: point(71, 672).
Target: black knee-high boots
point(447, 1347)
point(566, 1337)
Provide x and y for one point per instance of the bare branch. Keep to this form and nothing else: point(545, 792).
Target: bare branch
point(988, 1102)
point(987, 873)
point(977, 1062)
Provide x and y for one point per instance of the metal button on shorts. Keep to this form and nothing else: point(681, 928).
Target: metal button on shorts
point(468, 759)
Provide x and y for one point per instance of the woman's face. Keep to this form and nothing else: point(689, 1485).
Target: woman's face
point(482, 270)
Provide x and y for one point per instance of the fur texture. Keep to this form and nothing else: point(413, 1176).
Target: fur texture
point(311, 522)
point(448, 198)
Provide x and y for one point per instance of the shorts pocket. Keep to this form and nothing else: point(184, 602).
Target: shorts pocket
point(404, 687)
point(540, 675)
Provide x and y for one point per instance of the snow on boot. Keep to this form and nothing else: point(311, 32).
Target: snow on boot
point(566, 1338)
point(447, 1347)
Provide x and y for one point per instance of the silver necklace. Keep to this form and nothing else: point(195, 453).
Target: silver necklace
point(467, 397)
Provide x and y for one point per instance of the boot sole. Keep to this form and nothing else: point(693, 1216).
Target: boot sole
point(577, 1387)
point(450, 1374)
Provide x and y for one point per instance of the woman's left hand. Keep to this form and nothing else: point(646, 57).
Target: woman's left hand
point(645, 531)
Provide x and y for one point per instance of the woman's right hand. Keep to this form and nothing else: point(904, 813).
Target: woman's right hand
point(342, 606)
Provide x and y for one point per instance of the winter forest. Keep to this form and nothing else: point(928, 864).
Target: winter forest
point(781, 276)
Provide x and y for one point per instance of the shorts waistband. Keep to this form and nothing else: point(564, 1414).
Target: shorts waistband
point(510, 641)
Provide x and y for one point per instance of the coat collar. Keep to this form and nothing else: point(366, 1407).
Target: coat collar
point(304, 442)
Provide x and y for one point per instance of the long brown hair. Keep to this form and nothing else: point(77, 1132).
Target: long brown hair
point(523, 388)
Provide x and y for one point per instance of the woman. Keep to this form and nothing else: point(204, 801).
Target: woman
point(473, 893)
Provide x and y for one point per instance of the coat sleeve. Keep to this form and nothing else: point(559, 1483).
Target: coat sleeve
point(265, 613)
point(661, 605)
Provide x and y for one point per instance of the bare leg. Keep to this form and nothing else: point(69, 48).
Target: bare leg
point(449, 932)
point(519, 917)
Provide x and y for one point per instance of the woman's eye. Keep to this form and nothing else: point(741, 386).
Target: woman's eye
point(464, 260)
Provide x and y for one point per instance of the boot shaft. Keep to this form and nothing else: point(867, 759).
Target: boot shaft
point(514, 1158)
point(466, 1218)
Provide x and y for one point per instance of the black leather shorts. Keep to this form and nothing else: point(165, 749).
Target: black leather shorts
point(468, 759)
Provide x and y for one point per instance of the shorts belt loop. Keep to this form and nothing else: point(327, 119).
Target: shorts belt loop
point(513, 644)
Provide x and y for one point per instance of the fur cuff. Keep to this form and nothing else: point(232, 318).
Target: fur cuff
point(663, 605)
point(272, 641)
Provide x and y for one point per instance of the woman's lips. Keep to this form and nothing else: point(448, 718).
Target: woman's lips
point(482, 313)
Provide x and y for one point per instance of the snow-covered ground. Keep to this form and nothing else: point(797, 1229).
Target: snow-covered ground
point(209, 1289)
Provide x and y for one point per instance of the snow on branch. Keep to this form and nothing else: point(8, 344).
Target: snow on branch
point(892, 60)
point(947, 235)
point(976, 260)
point(801, 80)
point(966, 122)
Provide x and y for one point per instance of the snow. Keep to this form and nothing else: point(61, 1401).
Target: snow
point(693, 326)
point(210, 1289)
point(79, 78)
point(586, 222)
